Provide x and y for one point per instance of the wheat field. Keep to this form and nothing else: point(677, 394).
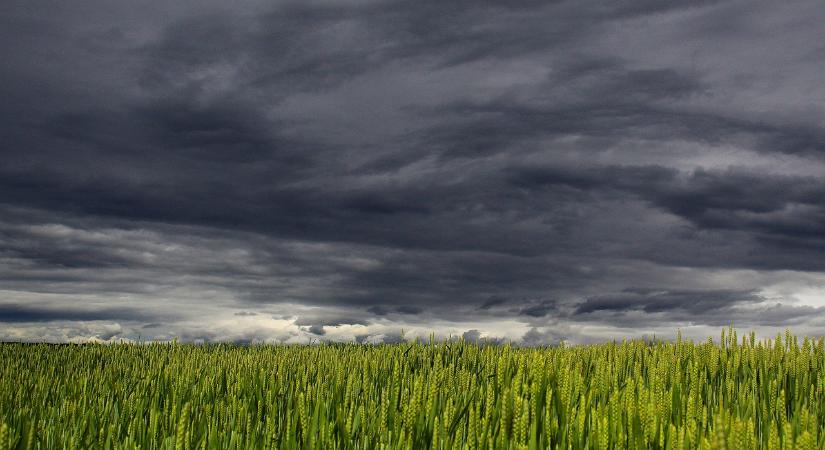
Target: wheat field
point(731, 393)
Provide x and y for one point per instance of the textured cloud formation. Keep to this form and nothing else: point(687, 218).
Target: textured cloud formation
point(374, 171)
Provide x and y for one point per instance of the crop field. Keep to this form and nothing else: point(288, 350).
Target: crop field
point(734, 393)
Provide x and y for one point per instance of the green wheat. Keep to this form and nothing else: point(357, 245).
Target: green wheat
point(736, 394)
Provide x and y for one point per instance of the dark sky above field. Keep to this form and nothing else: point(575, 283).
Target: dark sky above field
point(345, 170)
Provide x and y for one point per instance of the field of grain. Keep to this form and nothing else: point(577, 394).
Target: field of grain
point(734, 393)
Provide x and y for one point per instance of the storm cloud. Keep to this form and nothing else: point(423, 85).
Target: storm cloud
point(374, 171)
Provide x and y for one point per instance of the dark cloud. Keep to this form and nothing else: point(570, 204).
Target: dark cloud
point(365, 167)
point(652, 301)
point(493, 302)
point(540, 309)
point(378, 310)
point(775, 209)
point(14, 313)
point(409, 309)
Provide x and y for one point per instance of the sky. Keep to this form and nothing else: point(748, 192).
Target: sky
point(374, 171)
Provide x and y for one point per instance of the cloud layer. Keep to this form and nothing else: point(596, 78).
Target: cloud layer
point(534, 172)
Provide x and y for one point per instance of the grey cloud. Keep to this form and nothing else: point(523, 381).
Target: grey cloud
point(316, 323)
point(536, 337)
point(471, 335)
point(317, 329)
point(476, 337)
point(787, 315)
point(419, 164)
point(330, 320)
point(393, 338)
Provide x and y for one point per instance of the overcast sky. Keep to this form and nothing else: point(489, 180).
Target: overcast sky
point(345, 170)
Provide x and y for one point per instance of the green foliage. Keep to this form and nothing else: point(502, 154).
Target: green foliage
point(458, 395)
